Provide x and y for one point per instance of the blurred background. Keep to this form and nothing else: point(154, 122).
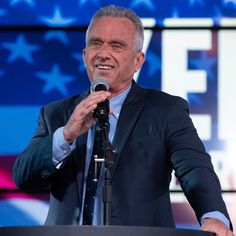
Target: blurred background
point(190, 48)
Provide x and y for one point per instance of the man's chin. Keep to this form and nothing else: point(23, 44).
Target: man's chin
point(102, 74)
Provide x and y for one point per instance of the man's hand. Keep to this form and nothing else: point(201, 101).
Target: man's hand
point(82, 118)
point(217, 227)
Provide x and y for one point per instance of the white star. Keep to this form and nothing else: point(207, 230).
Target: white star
point(232, 1)
point(82, 2)
point(56, 34)
point(199, 2)
point(57, 20)
point(146, 3)
point(55, 80)
point(2, 12)
point(205, 61)
point(20, 49)
point(175, 13)
point(28, 2)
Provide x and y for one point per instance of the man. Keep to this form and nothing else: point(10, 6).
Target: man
point(150, 130)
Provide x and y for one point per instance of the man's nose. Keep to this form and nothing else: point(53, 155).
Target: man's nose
point(104, 52)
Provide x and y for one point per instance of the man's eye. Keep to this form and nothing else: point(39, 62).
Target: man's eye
point(96, 44)
point(116, 46)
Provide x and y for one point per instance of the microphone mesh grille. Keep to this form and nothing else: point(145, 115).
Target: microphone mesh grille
point(99, 81)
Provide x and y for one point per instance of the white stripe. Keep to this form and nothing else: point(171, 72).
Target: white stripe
point(228, 22)
point(35, 209)
point(188, 22)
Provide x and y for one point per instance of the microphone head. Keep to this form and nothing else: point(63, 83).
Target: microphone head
point(100, 84)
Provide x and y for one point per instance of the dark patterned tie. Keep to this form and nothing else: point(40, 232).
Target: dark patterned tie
point(91, 183)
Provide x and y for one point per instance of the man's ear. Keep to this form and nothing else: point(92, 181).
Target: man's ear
point(139, 60)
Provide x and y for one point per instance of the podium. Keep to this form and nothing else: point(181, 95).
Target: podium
point(73, 230)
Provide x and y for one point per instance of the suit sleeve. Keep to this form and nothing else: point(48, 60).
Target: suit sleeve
point(34, 166)
point(191, 163)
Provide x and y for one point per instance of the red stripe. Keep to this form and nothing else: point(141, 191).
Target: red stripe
point(6, 166)
point(8, 188)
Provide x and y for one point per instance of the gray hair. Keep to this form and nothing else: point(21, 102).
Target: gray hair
point(116, 11)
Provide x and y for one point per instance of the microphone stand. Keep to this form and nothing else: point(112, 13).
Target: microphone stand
point(109, 161)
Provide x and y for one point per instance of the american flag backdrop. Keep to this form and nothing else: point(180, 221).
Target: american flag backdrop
point(40, 61)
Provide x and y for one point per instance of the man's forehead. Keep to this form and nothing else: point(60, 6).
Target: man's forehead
point(112, 27)
point(110, 21)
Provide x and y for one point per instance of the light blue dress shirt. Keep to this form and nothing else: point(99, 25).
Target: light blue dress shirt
point(61, 149)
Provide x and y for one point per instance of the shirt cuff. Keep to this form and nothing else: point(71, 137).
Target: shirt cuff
point(216, 215)
point(60, 148)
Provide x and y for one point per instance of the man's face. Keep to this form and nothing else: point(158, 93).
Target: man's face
point(110, 52)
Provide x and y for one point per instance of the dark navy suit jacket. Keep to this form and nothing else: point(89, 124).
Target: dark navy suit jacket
point(154, 136)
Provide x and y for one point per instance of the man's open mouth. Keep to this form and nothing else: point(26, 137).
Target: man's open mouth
point(104, 67)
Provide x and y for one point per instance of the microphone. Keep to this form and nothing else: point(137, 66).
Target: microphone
point(102, 110)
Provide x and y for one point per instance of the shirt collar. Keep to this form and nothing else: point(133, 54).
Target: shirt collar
point(117, 102)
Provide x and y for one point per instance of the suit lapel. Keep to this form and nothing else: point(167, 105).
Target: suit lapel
point(130, 112)
point(80, 151)
point(80, 155)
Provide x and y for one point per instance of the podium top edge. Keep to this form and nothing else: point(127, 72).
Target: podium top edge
point(75, 230)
